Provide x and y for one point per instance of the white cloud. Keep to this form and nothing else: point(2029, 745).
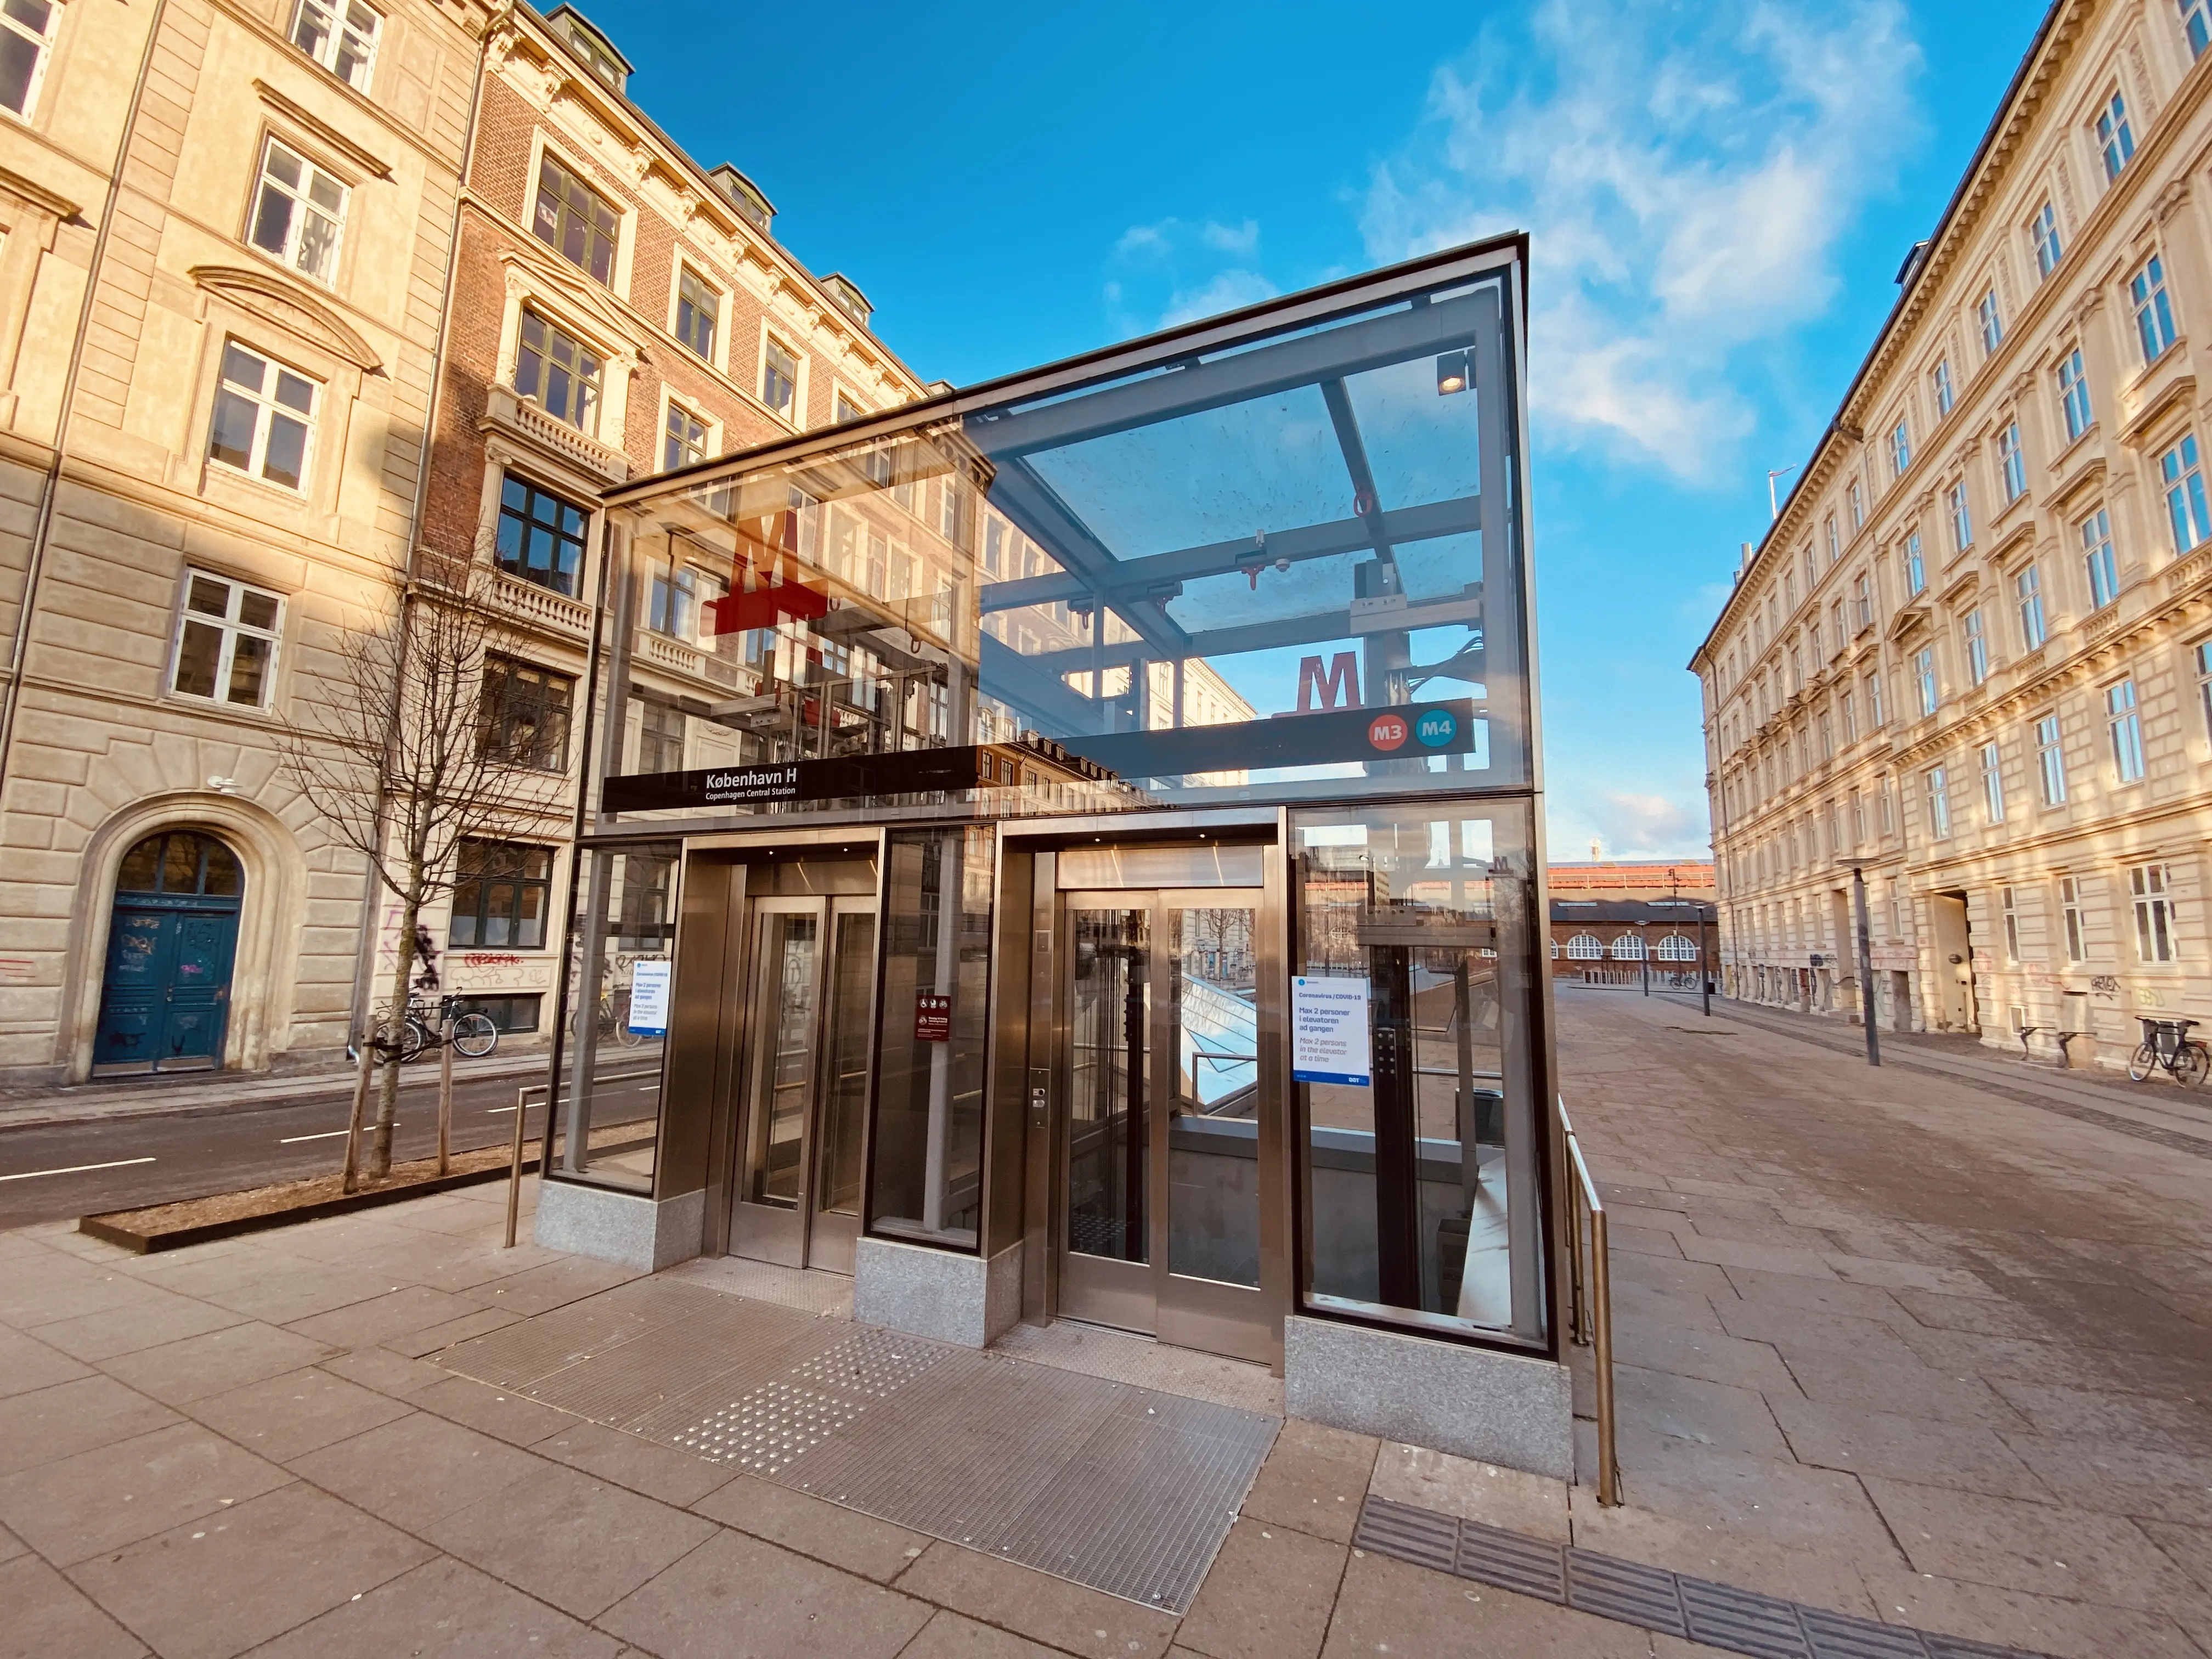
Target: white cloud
point(1227, 291)
point(1684, 174)
point(1636, 824)
point(1240, 239)
point(1175, 271)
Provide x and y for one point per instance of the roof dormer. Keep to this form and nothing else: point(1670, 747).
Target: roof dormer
point(850, 300)
point(746, 196)
point(585, 40)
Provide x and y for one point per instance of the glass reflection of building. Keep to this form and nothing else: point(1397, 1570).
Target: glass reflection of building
point(1021, 758)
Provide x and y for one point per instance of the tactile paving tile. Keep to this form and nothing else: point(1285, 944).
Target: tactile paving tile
point(791, 1414)
point(1839, 1636)
point(1627, 1590)
point(1491, 1555)
point(1742, 1621)
point(1408, 1532)
point(1958, 1647)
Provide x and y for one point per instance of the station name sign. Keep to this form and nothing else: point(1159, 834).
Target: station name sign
point(848, 777)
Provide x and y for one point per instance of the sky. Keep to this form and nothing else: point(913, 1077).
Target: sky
point(1719, 195)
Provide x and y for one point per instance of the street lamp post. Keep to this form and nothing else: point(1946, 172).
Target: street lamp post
point(1866, 968)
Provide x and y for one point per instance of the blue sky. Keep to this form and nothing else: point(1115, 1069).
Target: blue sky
point(1719, 194)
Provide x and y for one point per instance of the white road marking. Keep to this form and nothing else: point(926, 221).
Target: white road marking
point(327, 1134)
point(74, 1169)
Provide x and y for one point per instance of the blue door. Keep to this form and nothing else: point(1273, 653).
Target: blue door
point(165, 1001)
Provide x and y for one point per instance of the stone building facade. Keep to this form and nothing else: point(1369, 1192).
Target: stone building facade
point(227, 226)
point(1971, 660)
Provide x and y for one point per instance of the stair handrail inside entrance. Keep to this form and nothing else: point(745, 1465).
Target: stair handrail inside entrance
point(1593, 1304)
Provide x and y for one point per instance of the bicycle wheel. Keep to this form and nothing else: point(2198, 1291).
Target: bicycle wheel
point(416, 1039)
point(2191, 1065)
point(475, 1035)
point(2144, 1063)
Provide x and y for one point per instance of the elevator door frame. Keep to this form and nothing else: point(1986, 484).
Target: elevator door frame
point(1149, 1298)
point(803, 1236)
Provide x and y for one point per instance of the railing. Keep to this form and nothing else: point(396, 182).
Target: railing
point(523, 414)
point(555, 612)
point(1591, 1304)
point(514, 1157)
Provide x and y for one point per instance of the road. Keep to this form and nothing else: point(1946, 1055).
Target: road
point(51, 1172)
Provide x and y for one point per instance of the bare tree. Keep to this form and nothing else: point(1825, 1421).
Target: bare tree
point(416, 744)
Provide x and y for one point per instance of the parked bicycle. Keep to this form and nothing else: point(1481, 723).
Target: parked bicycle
point(614, 1019)
point(470, 1031)
point(2166, 1044)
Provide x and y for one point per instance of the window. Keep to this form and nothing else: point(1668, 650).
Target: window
point(265, 416)
point(2195, 26)
point(2097, 558)
point(847, 409)
point(2153, 311)
point(503, 893)
point(1978, 646)
point(1900, 450)
point(2201, 652)
point(2074, 395)
point(1584, 947)
point(1992, 324)
point(647, 920)
point(598, 54)
point(299, 213)
point(1836, 628)
point(686, 438)
point(2050, 763)
point(1874, 718)
point(558, 371)
point(226, 641)
point(779, 378)
point(1858, 819)
point(1848, 709)
point(2070, 910)
point(698, 310)
point(1924, 678)
point(2010, 910)
point(1916, 567)
point(2012, 464)
point(1944, 396)
point(1676, 947)
point(1939, 803)
point(2125, 721)
point(1827, 739)
point(1626, 947)
point(27, 36)
point(659, 734)
point(2153, 908)
point(1835, 543)
point(2184, 494)
point(678, 601)
point(1863, 598)
point(575, 219)
point(340, 35)
point(1888, 815)
point(1858, 499)
point(2042, 231)
point(2027, 594)
point(1962, 520)
point(1992, 783)
point(541, 536)
point(2114, 141)
point(525, 718)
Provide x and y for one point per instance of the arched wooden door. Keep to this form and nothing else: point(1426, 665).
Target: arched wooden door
point(165, 1001)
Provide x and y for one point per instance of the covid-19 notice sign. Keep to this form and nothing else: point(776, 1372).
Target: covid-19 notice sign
point(1329, 1032)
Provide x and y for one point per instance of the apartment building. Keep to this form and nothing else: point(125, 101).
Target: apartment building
point(1971, 662)
point(224, 236)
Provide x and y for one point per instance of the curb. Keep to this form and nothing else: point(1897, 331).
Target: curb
point(43, 1114)
point(176, 1239)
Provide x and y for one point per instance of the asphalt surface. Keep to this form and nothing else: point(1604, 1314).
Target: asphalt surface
point(51, 1172)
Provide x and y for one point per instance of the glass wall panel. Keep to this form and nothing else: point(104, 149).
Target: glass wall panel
point(1414, 1009)
point(606, 1128)
point(928, 1145)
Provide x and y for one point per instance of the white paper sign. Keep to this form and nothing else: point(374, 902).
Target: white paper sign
point(1329, 1032)
point(648, 997)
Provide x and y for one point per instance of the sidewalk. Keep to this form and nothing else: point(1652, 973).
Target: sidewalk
point(215, 1092)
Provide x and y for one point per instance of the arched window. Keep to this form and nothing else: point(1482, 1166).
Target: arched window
point(1555, 949)
point(1584, 947)
point(1676, 948)
point(180, 861)
point(1628, 948)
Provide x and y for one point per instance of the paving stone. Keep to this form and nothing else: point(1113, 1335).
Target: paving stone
point(1387, 1604)
point(577, 1542)
point(1267, 1595)
point(416, 1344)
point(1313, 1479)
point(511, 1417)
point(1904, 1388)
point(206, 1589)
point(1690, 1408)
point(1961, 1456)
point(1780, 1501)
point(303, 1289)
point(71, 1417)
point(2034, 1624)
point(102, 1499)
point(813, 1526)
point(735, 1597)
point(411, 1307)
point(26, 1364)
point(387, 1372)
point(48, 1618)
point(949, 1636)
point(661, 1472)
point(2107, 1416)
point(1071, 1617)
point(1684, 1351)
point(283, 1416)
point(1819, 1577)
point(558, 1283)
point(1531, 1504)
point(2189, 1548)
point(416, 1470)
point(1826, 1294)
point(138, 1325)
point(180, 1372)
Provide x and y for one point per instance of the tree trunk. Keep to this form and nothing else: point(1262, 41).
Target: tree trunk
point(446, 1092)
point(395, 1033)
point(364, 1069)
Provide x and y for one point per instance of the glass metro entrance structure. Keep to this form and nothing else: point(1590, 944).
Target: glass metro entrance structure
point(1077, 843)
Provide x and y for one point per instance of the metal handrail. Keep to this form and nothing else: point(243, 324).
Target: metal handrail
point(1592, 1305)
point(515, 1159)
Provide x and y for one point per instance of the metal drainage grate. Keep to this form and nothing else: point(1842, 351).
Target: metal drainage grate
point(1715, 1615)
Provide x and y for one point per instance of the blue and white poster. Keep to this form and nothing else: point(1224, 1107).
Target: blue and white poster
point(1329, 1032)
point(648, 997)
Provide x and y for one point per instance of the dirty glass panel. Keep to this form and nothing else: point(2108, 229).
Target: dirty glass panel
point(928, 1151)
point(1213, 1118)
point(614, 1040)
point(1109, 1084)
point(1413, 1010)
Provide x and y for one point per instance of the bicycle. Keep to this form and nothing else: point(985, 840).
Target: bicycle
point(2166, 1043)
point(613, 1020)
point(472, 1033)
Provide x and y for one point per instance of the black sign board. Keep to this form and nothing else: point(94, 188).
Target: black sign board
point(932, 1017)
